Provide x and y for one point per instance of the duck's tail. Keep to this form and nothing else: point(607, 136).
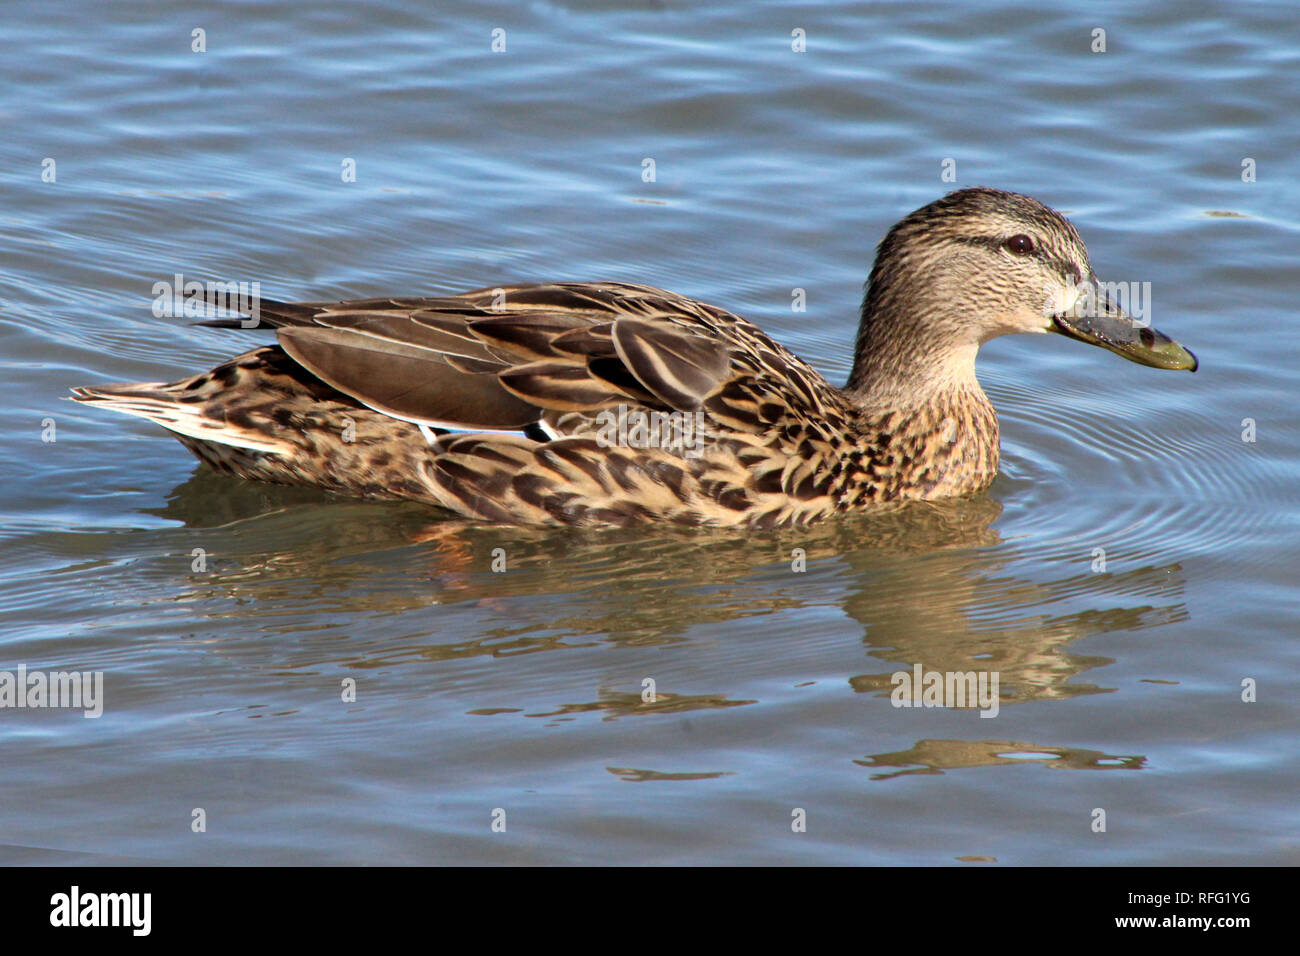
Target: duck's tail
point(181, 408)
point(262, 416)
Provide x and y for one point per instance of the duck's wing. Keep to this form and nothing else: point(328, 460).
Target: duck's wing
point(509, 357)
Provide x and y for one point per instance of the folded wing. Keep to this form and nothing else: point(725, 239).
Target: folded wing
point(503, 359)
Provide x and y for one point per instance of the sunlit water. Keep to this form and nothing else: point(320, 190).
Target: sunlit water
point(481, 693)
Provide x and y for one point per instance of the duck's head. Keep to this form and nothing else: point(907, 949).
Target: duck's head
point(980, 263)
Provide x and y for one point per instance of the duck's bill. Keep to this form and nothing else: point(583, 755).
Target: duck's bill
point(1122, 334)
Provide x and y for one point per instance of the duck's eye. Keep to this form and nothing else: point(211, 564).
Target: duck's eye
point(1021, 245)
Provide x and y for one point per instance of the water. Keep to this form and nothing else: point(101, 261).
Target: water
point(522, 692)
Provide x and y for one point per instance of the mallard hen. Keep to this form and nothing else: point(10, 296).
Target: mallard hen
point(608, 403)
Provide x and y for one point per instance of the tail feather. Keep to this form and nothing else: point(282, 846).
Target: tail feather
point(271, 313)
point(164, 404)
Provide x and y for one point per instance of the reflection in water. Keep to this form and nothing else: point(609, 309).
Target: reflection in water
point(632, 775)
point(936, 756)
point(616, 705)
point(924, 581)
point(991, 625)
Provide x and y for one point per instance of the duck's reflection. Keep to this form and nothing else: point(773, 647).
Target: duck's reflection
point(936, 756)
point(928, 583)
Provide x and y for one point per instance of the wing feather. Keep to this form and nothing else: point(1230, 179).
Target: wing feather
point(679, 367)
point(405, 381)
point(509, 357)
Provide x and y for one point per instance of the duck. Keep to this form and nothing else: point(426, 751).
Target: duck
point(607, 403)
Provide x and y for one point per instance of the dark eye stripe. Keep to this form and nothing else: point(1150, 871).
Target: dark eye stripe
point(997, 245)
point(1067, 268)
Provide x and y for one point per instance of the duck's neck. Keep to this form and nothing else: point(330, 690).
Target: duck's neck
point(914, 379)
point(911, 359)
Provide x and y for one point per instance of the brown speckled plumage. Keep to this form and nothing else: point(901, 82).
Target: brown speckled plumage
point(516, 387)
